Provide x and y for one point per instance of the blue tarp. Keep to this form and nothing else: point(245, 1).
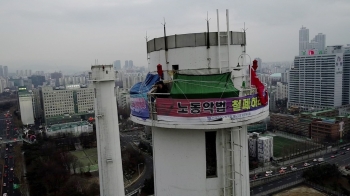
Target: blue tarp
point(138, 96)
point(145, 86)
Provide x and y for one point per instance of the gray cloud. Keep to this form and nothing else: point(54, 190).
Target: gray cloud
point(53, 35)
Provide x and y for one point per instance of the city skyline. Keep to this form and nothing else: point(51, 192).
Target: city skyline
point(71, 35)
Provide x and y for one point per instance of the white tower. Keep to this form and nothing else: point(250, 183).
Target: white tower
point(107, 130)
point(200, 144)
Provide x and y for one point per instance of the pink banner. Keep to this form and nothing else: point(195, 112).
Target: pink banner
point(207, 107)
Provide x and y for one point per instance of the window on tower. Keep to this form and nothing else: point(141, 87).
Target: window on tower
point(210, 152)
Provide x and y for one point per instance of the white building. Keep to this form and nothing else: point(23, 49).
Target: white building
point(303, 40)
point(207, 155)
point(265, 148)
point(282, 90)
point(3, 84)
point(123, 98)
point(321, 81)
point(26, 106)
point(75, 128)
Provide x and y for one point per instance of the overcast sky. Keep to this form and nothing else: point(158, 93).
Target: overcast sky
point(69, 35)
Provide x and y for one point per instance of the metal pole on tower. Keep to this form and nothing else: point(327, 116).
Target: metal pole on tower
point(219, 52)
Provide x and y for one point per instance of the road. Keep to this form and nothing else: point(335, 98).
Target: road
point(7, 129)
point(126, 139)
point(8, 133)
point(8, 175)
point(339, 159)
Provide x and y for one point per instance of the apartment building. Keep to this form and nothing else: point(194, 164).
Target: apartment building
point(282, 90)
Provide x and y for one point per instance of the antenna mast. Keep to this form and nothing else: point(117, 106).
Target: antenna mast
point(244, 38)
point(147, 49)
point(165, 45)
point(208, 40)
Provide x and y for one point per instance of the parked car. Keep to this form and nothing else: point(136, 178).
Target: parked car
point(315, 160)
point(294, 168)
point(283, 168)
point(269, 172)
point(306, 164)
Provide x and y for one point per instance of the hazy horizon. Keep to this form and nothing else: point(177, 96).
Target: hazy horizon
point(65, 35)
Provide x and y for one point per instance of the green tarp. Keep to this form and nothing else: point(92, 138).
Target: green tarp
point(203, 86)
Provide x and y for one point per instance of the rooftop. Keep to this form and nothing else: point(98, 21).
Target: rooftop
point(66, 125)
point(275, 75)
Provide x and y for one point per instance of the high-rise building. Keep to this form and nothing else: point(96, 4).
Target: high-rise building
point(3, 84)
point(303, 39)
point(117, 65)
point(317, 44)
point(320, 42)
point(320, 81)
point(37, 80)
point(1, 71)
point(131, 63)
point(6, 71)
point(26, 106)
point(126, 65)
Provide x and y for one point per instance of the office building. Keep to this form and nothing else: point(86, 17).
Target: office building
point(67, 101)
point(320, 81)
point(326, 129)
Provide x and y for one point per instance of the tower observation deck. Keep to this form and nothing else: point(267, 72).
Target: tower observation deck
point(107, 131)
point(198, 113)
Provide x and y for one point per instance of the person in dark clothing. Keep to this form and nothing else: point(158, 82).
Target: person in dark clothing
point(162, 88)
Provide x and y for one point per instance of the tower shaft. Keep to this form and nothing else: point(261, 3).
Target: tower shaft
point(107, 131)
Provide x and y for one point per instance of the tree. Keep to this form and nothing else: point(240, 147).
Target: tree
point(94, 189)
